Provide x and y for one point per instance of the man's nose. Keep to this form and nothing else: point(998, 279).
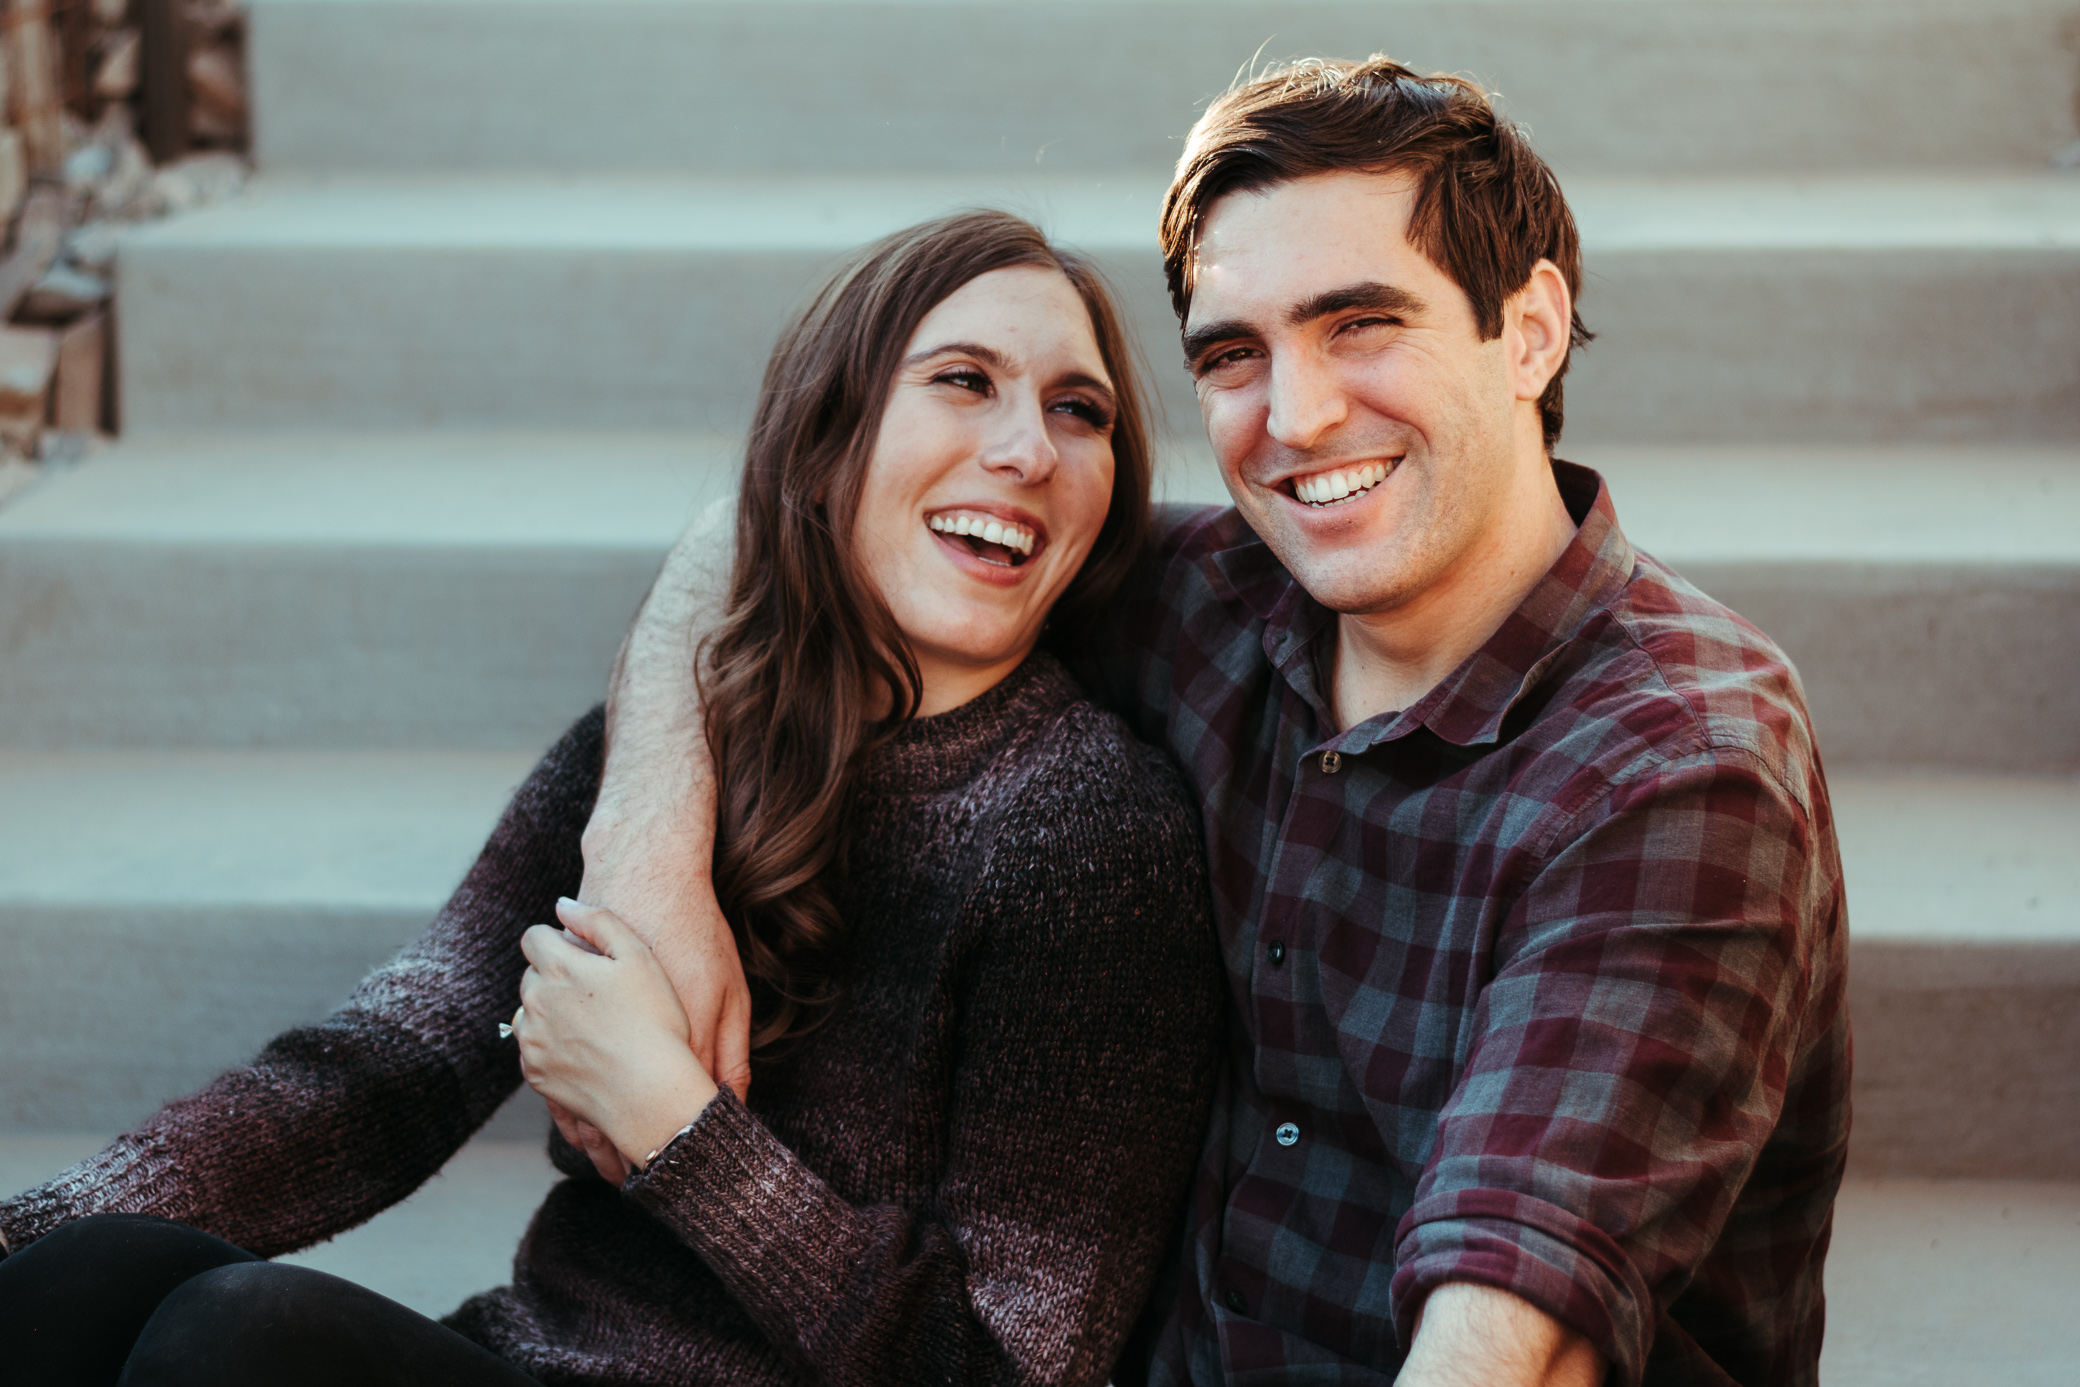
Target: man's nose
point(1021, 448)
point(1305, 404)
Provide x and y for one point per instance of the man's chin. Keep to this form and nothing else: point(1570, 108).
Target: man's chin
point(1350, 574)
point(1351, 584)
point(1350, 595)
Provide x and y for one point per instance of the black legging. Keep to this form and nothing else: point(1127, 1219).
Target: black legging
point(144, 1302)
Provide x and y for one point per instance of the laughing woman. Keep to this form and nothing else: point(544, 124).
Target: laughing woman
point(971, 909)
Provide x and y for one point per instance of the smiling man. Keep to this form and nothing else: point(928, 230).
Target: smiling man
point(1523, 863)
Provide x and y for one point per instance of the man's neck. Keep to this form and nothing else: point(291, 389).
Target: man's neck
point(1388, 660)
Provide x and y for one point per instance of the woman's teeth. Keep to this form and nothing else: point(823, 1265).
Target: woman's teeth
point(1327, 488)
point(988, 530)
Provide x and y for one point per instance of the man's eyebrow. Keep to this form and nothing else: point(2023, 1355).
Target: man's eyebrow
point(1227, 330)
point(1384, 298)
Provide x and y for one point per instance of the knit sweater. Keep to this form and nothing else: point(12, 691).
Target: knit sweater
point(970, 1173)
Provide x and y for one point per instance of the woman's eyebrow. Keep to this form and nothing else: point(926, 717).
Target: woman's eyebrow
point(988, 356)
point(1087, 382)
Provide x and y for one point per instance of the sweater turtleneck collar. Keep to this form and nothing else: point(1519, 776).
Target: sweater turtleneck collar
point(949, 749)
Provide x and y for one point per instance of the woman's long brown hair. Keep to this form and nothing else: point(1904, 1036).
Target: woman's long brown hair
point(807, 652)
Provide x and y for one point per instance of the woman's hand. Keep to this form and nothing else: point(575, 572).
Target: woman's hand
point(602, 1036)
point(654, 875)
point(651, 868)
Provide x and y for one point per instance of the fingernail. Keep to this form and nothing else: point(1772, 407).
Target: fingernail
point(562, 901)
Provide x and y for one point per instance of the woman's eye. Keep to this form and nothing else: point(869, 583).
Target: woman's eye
point(973, 381)
point(1089, 411)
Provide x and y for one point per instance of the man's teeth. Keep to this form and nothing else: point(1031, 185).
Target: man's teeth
point(1324, 487)
point(986, 528)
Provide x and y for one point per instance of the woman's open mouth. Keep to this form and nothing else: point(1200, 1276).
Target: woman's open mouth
point(1006, 544)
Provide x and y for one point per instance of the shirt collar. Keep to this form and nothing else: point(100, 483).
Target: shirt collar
point(1469, 706)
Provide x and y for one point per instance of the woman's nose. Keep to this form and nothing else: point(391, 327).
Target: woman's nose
point(1021, 448)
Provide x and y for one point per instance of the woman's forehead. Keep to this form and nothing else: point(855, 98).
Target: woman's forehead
point(1029, 315)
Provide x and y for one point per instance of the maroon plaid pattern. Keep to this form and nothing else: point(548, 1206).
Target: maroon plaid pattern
point(1537, 984)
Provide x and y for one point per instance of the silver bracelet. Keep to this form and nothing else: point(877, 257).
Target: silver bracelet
point(652, 1157)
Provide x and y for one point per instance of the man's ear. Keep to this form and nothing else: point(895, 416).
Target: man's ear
point(1536, 322)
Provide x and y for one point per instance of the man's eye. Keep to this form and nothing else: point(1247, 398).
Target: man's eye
point(1226, 356)
point(1364, 324)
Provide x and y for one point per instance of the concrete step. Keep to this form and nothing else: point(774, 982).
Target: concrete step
point(1930, 597)
point(426, 591)
point(453, 1238)
point(1728, 310)
point(1955, 1283)
point(459, 591)
point(1964, 973)
point(734, 86)
point(164, 913)
point(1930, 1283)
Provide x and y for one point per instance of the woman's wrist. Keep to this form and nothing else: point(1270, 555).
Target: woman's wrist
point(657, 1120)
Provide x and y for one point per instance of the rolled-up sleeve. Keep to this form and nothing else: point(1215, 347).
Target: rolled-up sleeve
point(1631, 1051)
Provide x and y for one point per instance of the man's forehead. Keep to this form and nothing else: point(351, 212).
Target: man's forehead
point(1262, 247)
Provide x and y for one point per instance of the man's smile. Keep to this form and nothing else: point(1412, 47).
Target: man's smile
point(1336, 485)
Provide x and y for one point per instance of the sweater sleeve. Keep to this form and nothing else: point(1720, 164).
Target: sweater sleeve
point(1089, 1030)
point(335, 1122)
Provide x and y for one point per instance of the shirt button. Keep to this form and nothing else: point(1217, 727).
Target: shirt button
point(1277, 952)
point(1288, 1133)
point(1237, 1303)
point(1331, 763)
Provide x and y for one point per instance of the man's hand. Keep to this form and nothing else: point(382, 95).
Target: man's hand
point(1477, 1336)
point(654, 875)
point(650, 845)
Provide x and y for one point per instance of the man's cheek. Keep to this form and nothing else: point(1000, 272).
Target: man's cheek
point(1235, 428)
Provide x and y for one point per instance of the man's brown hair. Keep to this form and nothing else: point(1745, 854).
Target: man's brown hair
point(1487, 208)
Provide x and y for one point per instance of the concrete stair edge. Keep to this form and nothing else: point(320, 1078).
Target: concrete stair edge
point(354, 85)
point(446, 590)
point(1728, 311)
point(1930, 1282)
point(227, 895)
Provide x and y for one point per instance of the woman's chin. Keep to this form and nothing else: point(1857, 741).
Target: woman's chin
point(966, 627)
point(956, 670)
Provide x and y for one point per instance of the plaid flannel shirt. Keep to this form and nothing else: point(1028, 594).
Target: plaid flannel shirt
point(1537, 983)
